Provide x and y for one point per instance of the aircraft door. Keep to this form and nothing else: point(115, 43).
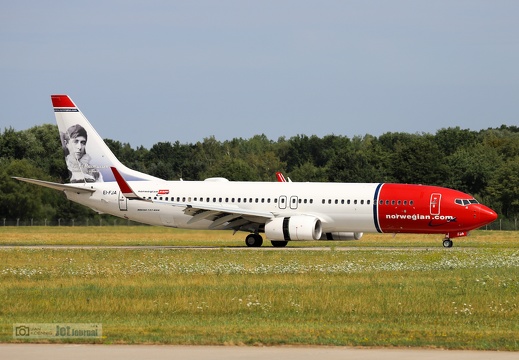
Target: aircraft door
point(123, 202)
point(435, 203)
point(282, 202)
point(293, 202)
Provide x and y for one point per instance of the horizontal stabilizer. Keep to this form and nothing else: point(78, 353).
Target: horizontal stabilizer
point(56, 186)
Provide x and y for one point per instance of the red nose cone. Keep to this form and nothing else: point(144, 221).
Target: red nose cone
point(486, 215)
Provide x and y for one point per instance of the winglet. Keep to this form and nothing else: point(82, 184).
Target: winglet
point(125, 187)
point(280, 177)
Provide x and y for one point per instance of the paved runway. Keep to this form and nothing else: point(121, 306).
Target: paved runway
point(162, 352)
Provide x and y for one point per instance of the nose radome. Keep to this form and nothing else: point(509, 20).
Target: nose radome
point(487, 215)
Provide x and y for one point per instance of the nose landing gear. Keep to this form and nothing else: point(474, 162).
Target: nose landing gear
point(447, 243)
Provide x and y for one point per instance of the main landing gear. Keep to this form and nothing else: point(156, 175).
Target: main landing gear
point(447, 243)
point(255, 240)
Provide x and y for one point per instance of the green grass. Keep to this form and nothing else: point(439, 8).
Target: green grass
point(466, 297)
point(149, 235)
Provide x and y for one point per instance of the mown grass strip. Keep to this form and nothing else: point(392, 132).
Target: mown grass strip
point(150, 235)
point(449, 298)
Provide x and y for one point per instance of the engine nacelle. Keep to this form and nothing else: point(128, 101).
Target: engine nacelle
point(300, 227)
point(343, 235)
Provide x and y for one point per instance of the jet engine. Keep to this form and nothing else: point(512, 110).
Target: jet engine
point(343, 235)
point(301, 227)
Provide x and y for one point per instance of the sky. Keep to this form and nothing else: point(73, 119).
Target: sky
point(153, 71)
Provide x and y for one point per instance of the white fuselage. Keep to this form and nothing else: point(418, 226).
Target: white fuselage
point(341, 207)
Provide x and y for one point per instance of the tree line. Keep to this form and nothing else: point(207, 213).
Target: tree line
point(483, 163)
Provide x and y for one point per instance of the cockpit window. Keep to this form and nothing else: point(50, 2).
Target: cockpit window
point(465, 202)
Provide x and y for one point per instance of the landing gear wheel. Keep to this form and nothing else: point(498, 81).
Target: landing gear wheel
point(279, 243)
point(254, 240)
point(447, 243)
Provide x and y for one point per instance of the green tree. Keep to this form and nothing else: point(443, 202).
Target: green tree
point(308, 172)
point(418, 159)
point(504, 187)
point(19, 199)
point(472, 168)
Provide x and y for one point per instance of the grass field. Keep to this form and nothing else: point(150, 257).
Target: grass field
point(466, 297)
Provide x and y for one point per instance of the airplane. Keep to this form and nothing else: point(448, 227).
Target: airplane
point(283, 211)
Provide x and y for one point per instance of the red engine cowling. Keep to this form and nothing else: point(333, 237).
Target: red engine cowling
point(342, 235)
point(300, 227)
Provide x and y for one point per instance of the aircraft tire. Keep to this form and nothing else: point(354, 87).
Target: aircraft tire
point(254, 240)
point(279, 243)
point(447, 243)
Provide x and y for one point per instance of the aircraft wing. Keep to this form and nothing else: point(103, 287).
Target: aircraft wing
point(57, 186)
point(224, 217)
point(221, 215)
